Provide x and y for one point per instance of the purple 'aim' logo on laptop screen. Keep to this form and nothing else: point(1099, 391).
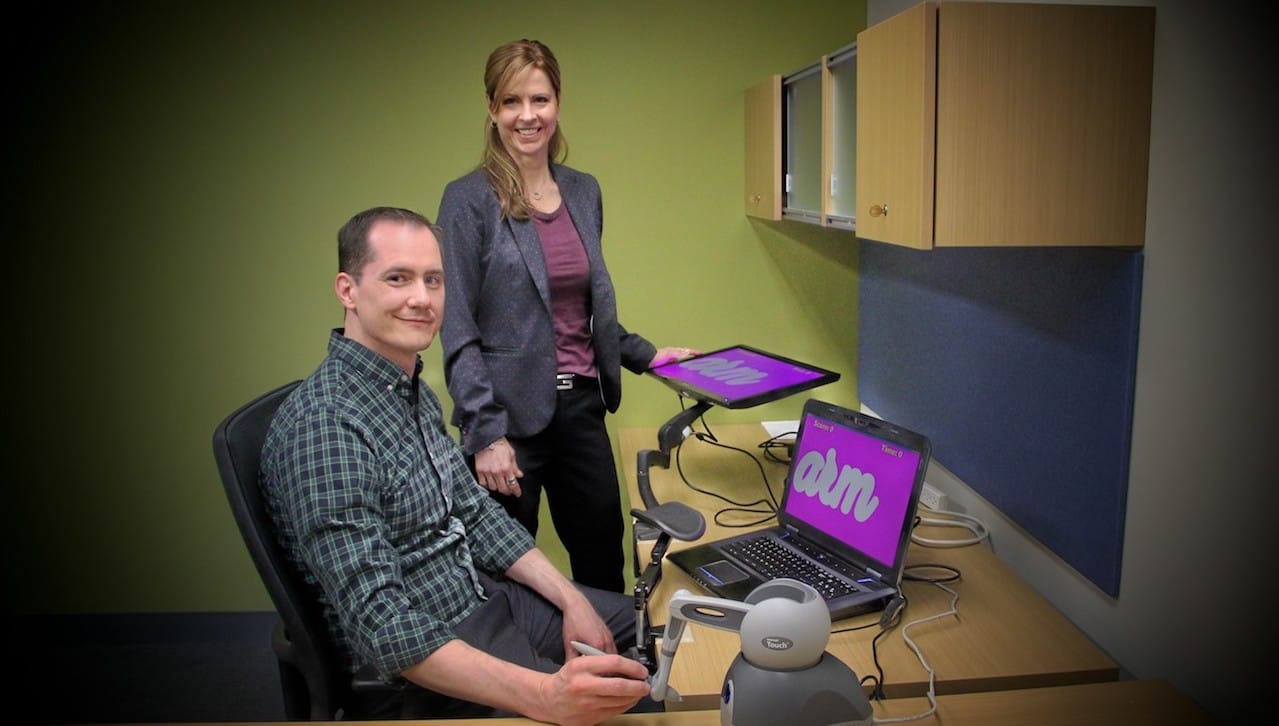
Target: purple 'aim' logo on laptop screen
point(852, 486)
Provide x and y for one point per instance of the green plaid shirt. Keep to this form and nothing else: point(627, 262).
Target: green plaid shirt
point(375, 503)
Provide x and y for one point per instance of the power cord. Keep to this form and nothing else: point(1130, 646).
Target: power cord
point(912, 573)
point(765, 509)
point(888, 620)
point(893, 613)
point(784, 441)
point(948, 518)
point(932, 676)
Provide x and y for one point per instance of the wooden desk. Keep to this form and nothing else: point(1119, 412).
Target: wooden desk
point(1117, 703)
point(1006, 635)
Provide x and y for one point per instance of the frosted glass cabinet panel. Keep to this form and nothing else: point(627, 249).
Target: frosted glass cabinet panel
point(802, 147)
point(842, 73)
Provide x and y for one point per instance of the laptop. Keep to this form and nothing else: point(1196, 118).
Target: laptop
point(845, 519)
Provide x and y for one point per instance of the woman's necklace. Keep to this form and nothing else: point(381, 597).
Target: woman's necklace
point(537, 193)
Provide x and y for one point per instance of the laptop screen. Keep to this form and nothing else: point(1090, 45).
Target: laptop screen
point(856, 479)
point(741, 376)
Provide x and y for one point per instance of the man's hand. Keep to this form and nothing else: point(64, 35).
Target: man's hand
point(590, 689)
point(585, 691)
point(583, 624)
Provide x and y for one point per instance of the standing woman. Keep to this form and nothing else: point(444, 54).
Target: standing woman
point(533, 349)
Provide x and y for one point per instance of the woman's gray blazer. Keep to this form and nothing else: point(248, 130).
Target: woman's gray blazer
point(498, 338)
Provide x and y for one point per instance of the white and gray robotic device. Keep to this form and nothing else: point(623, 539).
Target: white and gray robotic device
point(783, 674)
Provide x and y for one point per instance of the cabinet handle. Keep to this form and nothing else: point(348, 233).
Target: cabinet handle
point(879, 210)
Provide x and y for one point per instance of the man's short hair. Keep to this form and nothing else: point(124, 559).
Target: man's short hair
point(353, 239)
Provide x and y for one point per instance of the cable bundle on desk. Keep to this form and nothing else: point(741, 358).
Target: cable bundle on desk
point(951, 519)
point(784, 441)
point(766, 508)
point(932, 675)
point(892, 616)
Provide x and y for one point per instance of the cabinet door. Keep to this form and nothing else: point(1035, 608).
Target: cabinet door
point(803, 145)
point(764, 149)
point(1043, 124)
point(841, 135)
point(896, 104)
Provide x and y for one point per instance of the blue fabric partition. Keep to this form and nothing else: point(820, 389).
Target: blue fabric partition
point(1019, 364)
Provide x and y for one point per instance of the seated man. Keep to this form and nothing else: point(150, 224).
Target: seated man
point(423, 575)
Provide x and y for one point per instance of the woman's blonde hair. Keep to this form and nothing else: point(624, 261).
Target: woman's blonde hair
point(504, 65)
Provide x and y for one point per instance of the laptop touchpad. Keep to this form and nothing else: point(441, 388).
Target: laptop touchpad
point(723, 572)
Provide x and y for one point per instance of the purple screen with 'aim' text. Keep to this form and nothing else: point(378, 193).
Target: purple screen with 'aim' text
point(852, 486)
point(737, 373)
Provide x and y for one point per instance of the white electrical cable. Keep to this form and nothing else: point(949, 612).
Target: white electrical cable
point(932, 677)
point(957, 519)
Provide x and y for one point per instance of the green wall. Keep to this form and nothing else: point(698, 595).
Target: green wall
point(177, 175)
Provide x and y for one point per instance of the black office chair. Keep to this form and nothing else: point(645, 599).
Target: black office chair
point(316, 686)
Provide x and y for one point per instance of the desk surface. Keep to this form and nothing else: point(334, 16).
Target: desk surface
point(1117, 703)
point(1006, 636)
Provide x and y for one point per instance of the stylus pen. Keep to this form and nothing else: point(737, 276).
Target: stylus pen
point(585, 649)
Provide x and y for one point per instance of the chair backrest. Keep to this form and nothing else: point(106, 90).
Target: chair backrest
point(306, 645)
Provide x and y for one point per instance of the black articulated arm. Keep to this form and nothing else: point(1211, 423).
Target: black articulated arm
point(669, 436)
point(663, 521)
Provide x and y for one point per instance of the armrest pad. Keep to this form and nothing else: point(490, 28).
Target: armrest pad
point(675, 519)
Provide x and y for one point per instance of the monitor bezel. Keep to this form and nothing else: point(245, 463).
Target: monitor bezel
point(684, 388)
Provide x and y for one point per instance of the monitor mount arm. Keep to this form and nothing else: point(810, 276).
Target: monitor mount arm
point(669, 437)
point(661, 521)
point(672, 519)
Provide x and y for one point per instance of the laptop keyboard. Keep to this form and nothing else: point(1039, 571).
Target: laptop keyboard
point(772, 559)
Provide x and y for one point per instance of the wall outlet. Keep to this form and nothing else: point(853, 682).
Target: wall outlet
point(932, 497)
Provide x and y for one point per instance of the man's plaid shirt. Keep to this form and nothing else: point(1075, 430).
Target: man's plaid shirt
point(375, 503)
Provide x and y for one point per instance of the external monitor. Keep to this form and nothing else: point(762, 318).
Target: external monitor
point(740, 376)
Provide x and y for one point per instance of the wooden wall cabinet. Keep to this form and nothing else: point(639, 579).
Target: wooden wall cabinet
point(994, 124)
point(800, 133)
point(764, 149)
